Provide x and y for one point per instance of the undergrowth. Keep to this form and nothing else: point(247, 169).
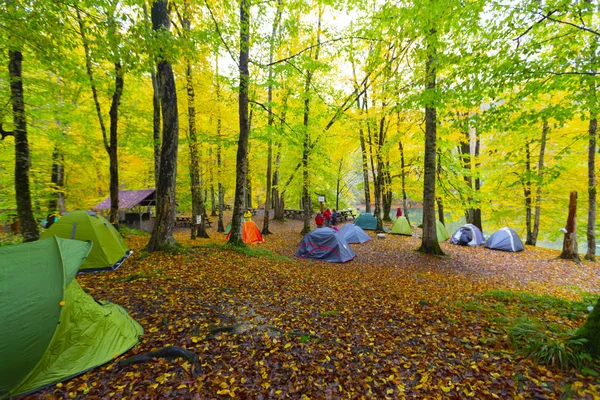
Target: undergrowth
point(538, 327)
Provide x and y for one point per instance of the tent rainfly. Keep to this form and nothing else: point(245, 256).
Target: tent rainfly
point(504, 239)
point(401, 227)
point(109, 250)
point(250, 232)
point(354, 234)
point(325, 244)
point(51, 329)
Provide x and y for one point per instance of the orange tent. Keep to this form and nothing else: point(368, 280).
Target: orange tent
point(250, 233)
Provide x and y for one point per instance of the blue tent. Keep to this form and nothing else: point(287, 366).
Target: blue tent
point(505, 239)
point(354, 234)
point(325, 244)
point(366, 221)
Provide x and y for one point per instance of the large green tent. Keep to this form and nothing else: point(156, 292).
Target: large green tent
point(442, 233)
point(366, 221)
point(401, 227)
point(51, 329)
point(109, 249)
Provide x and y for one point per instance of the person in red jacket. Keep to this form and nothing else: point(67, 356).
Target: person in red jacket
point(319, 220)
point(327, 215)
point(398, 212)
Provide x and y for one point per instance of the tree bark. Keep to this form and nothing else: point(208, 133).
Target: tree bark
point(242, 151)
point(429, 242)
point(403, 179)
point(220, 188)
point(540, 183)
point(28, 225)
point(570, 251)
point(477, 211)
point(155, 125)
point(162, 233)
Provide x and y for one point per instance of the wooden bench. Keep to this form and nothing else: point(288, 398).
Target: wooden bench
point(252, 211)
point(345, 214)
point(226, 207)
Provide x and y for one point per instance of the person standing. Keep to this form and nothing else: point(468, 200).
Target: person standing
point(319, 220)
point(334, 217)
point(327, 215)
point(398, 212)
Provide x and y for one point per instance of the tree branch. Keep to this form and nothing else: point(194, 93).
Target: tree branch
point(5, 133)
point(212, 16)
point(518, 38)
point(583, 28)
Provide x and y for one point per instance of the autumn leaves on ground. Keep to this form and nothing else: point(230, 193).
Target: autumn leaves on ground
point(392, 323)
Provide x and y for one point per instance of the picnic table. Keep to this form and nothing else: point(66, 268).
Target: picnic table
point(252, 211)
point(294, 213)
point(343, 215)
point(186, 220)
point(226, 207)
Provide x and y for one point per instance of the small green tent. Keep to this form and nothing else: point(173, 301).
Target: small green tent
point(401, 227)
point(51, 329)
point(442, 233)
point(109, 249)
point(366, 221)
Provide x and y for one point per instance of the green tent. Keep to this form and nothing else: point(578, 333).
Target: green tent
point(366, 221)
point(227, 229)
point(442, 233)
point(401, 227)
point(51, 329)
point(109, 249)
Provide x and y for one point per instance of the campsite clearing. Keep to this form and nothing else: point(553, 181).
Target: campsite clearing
point(392, 322)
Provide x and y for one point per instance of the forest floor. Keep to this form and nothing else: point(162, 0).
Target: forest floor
point(392, 323)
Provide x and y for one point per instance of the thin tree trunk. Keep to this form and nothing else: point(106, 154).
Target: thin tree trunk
point(220, 188)
point(570, 251)
point(197, 230)
point(265, 229)
point(28, 225)
point(465, 152)
point(540, 182)
point(306, 144)
point(162, 233)
point(591, 220)
point(242, 151)
point(57, 198)
point(477, 211)
point(592, 132)
point(527, 194)
point(429, 242)
point(113, 146)
point(403, 180)
point(213, 202)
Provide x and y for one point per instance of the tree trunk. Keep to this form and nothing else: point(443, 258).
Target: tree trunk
point(113, 146)
point(242, 151)
point(590, 331)
point(28, 225)
point(197, 230)
point(429, 242)
point(213, 201)
point(439, 200)
point(591, 220)
point(465, 152)
point(527, 194)
point(540, 183)
point(570, 251)
point(162, 233)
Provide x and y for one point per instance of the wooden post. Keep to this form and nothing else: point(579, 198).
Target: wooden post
point(569, 251)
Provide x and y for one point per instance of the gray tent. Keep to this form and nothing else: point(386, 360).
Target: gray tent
point(354, 234)
point(505, 239)
point(325, 244)
point(467, 235)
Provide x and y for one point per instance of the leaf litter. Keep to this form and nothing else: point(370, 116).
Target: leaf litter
point(393, 323)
